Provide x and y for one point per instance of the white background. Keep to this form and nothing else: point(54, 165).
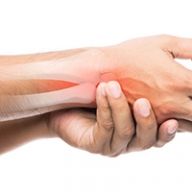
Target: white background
point(51, 25)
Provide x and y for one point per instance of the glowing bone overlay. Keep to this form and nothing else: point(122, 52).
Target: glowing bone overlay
point(41, 87)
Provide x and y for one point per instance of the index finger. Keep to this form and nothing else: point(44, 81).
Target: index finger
point(124, 126)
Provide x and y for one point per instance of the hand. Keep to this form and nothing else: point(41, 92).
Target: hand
point(146, 68)
point(184, 126)
point(113, 130)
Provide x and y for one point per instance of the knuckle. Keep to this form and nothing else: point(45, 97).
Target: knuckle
point(166, 37)
point(150, 126)
point(127, 133)
point(168, 108)
point(104, 108)
point(108, 124)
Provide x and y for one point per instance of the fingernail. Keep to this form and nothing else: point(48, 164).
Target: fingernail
point(102, 88)
point(172, 129)
point(144, 107)
point(114, 89)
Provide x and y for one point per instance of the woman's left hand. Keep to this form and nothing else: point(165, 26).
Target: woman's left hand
point(114, 129)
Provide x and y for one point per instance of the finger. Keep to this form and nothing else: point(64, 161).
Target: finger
point(103, 129)
point(146, 128)
point(180, 47)
point(166, 132)
point(185, 125)
point(183, 86)
point(185, 109)
point(122, 117)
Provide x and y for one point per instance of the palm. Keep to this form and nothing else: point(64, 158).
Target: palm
point(76, 127)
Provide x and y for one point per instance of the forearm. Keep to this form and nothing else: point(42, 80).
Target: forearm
point(143, 67)
point(37, 84)
point(18, 132)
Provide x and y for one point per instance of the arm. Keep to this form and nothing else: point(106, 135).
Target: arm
point(48, 82)
point(111, 132)
point(18, 132)
point(144, 67)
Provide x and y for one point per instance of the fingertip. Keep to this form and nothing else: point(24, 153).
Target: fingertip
point(101, 99)
point(143, 107)
point(101, 89)
point(167, 132)
point(172, 126)
point(146, 129)
point(169, 127)
point(113, 89)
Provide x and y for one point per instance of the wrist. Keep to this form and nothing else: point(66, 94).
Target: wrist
point(111, 59)
point(50, 82)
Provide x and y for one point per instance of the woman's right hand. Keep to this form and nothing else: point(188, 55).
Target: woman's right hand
point(145, 68)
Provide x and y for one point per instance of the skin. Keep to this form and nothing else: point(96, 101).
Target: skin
point(145, 68)
point(110, 132)
point(113, 131)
